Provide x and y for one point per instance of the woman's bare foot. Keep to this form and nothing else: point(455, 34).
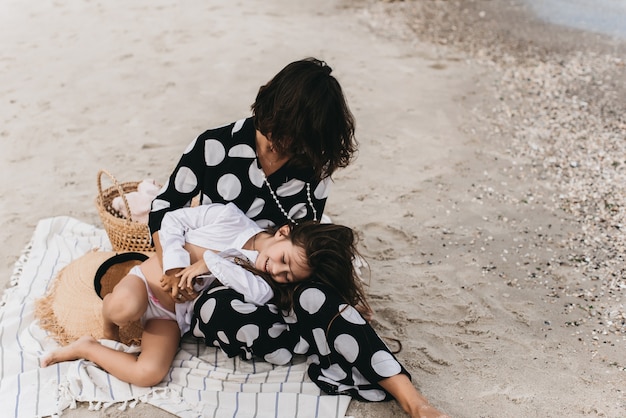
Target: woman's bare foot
point(74, 351)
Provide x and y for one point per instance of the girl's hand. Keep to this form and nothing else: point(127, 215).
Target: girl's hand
point(189, 273)
point(169, 282)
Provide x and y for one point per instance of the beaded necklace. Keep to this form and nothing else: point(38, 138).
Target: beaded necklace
point(284, 212)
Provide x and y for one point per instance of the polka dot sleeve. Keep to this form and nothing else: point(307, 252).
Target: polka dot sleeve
point(221, 166)
point(182, 186)
point(348, 356)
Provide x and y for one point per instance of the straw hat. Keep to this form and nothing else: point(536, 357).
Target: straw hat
point(73, 305)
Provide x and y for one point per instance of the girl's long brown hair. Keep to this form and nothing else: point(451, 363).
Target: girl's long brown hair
point(330, 250)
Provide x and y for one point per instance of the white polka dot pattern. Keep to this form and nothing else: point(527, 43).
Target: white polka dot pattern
point(221, 335)
point(247, 334)
point(206, 200)
point(312, 300)
point(241, 151)
point(214, 152)
point(255, 174)
point(338, 360)
point(320, 341)
point(322, 189)
point(384, 364)
point(158, 204)
point(242, 307)
point(358, 378)
point(190, 146)
point(206, 311)
point(277, 329)
point(185, 180)
point(237, 126)
point(298, 211)
point(341, 388)
point(280, 357)
point(197, 332)
point(373, 395)
point(290, 318)
point(290, 188)
point(229, 186)
point(223, 163)
point(255, 208)
point(334, 372)
point(351, 315)
point(226, 167)
point(347, 346)
point(301, 347)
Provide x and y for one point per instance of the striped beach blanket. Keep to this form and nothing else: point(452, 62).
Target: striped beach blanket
point(202, 382)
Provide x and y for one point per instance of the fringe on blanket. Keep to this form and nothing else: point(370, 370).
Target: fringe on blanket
point(18, 269)
point(68, 401)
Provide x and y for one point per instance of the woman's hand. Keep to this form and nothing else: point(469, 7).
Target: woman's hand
point(413, 402)
point(187, 275)
point(428, 411)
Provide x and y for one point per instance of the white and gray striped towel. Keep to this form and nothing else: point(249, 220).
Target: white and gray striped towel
point(202, 381)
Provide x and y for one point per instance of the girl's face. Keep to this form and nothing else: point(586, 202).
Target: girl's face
point(283, 261)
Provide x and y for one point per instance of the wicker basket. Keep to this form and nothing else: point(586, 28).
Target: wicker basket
point(124, 233)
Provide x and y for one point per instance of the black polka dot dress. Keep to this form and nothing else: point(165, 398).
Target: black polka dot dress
point(344, 353)
point(221, 165)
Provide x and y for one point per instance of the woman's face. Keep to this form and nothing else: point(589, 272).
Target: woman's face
point(283, 261)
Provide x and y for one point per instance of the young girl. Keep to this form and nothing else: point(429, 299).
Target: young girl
point(264, 268)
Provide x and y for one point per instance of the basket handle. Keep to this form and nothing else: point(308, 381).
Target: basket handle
point(119, 189)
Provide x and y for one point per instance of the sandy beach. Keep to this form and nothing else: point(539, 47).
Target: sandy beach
point(489, 188)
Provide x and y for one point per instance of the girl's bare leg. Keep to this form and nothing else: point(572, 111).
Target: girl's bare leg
point(159, 343)
point(73, 351)
point(126, 303)
point(413, 402)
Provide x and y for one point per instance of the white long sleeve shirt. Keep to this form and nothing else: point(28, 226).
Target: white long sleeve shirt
point(219, 228)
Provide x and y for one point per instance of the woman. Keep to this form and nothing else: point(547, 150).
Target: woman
point(276, 167)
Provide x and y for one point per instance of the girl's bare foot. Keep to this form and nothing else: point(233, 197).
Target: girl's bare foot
point(74, 351)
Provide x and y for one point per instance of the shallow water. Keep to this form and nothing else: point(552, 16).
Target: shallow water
point(602, 16)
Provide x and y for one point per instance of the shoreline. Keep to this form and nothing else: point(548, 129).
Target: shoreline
point(604, 17)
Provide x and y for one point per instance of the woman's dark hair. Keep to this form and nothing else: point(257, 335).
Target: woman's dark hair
point(303, 112)
point(330, 251)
